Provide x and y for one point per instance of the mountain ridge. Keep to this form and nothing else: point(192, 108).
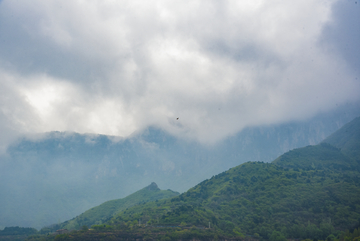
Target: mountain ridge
point(297, 201)
point(347, 138)
point(106, 210)
point(82, 171)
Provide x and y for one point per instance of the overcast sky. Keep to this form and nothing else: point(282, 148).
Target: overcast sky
point(115, 67)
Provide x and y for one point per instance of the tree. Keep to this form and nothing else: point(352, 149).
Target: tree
point(277, 236)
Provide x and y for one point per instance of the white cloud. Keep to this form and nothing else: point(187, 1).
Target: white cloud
point(114, 67)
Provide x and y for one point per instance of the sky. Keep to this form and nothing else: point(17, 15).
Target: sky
point(201, 70)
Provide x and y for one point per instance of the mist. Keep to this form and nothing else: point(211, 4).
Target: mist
point(118, 68)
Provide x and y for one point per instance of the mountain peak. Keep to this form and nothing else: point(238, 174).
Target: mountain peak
point(153, 186)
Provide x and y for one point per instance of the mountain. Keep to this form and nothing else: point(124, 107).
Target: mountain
point(105, 211)
point(53, 177)
point(310, 192)
point(322, 156)
point(341, 150)
point(347, 139)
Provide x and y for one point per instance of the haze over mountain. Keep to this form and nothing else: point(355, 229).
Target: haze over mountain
point(115, 68)
point(100, 98)
point(311, 192)
point(56, 176)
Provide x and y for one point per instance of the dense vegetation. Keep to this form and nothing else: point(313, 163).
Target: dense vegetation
point(174, 233)
point(62, 174)
point(16, 233)
point(308, 193)
point(258, 198)
point(311, 192)
point(107, 210)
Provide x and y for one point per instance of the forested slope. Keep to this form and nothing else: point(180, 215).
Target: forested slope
point(107, 210)
point(60, 175)
point(347, 139)
point(311, 192)
point(308, 192)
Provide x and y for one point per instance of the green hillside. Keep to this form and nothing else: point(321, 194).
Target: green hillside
point(258, 198)
point(347, 139)
point(107, 210)
point(311, 192)
point(308, 192)
point(320, 157)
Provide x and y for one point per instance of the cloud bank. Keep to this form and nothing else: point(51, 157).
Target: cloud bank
point(116, 67)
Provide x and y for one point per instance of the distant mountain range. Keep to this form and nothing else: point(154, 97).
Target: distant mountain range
point(53, 177)
point(311, 192)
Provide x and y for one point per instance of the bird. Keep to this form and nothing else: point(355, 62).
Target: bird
point(177, 118)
